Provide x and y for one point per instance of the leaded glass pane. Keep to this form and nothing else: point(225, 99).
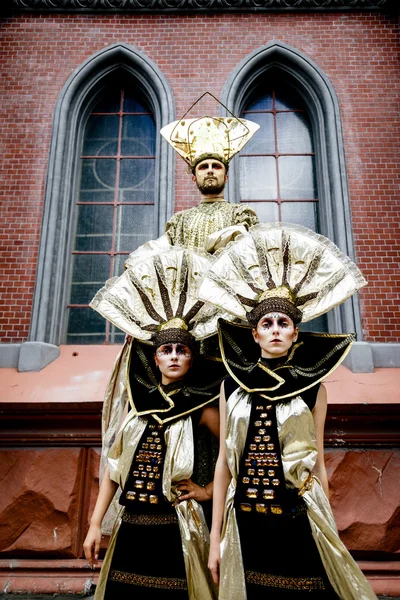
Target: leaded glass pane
point(297, 177)
point(294, 133)
point(138, 136)
point(286, 98)
point(320, 324)
point(258, 178)
point(85, 326)
point(110, 103)
point(83, 293)
point(263, 141)
point(136, 180)
point(97, 180)
point(302, 213)
point(94, 228)
point(90, 268)
point(101, 136)
point(261, 100)
point(267, 212)
point(119, 264)
point(117, 336)
point(135, 225)
point(132, 104)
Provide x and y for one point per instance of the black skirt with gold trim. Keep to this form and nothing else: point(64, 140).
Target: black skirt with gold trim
point(147, 562)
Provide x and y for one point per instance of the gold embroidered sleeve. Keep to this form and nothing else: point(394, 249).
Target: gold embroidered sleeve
point(244, 215)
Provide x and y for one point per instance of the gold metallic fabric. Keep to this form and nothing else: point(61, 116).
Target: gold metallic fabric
point(115, 399)
point(299, 453)
point(317, 275)
point(209, 226)
point(217, 137)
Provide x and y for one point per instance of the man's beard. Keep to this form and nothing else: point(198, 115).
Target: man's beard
point(210, 187)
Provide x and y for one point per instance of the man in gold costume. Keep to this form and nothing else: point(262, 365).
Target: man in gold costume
point(207, 145)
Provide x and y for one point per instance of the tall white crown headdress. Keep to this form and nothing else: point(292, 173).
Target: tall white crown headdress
point(205, 137)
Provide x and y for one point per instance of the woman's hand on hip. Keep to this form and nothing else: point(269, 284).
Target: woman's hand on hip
point(191, 491)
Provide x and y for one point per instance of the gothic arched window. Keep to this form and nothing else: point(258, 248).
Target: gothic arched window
point(115, 206)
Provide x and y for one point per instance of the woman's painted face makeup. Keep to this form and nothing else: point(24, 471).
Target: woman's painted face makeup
point(174, 361)
point(275, 333)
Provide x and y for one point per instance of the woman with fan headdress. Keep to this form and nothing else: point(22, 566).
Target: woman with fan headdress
point(159, 546)
point(273, 533)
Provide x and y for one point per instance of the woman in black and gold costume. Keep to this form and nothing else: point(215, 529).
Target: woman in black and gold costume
point(159, 546)
point(273, 532)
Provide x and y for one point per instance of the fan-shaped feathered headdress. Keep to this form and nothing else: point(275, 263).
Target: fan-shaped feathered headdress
point(281, 267)
point(157, 300)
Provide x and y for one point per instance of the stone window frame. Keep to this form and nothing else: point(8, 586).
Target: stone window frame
point(318, 92)
point(75, 102)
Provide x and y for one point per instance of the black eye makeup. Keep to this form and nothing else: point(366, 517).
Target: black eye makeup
point(167, 349)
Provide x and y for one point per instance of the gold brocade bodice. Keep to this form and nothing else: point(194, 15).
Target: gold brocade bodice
point(191, 228)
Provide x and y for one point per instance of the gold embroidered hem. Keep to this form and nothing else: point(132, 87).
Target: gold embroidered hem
point(288, 583)
point(164, 583)
point(133, 519)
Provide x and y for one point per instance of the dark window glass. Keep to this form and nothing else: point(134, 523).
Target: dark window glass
point(115, 208)
point(277, 167)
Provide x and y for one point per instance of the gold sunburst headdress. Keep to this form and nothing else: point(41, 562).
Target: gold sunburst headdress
point(209, 137)
point(157, 300)
point(281, 267)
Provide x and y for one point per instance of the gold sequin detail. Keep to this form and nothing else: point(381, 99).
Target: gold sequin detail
point(149, 581)
point(134, 519)
point(281, 581)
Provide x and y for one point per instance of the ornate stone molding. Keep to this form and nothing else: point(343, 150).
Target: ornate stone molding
point(194, 5)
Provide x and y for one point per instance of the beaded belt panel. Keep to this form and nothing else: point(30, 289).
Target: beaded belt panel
point(289, 583)
point(150, 519)
point(149, 581)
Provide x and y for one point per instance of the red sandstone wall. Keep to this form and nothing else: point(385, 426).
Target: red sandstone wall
point(44, 519)
point(358, 52)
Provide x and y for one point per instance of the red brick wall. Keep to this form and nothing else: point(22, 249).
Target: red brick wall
point(359, 53)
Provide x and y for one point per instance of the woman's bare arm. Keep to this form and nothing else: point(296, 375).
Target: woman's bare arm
point(91, 545)
point(222, 480)
point(319, 415)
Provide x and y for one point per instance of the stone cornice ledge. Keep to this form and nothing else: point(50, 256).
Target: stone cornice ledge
point(176, 6)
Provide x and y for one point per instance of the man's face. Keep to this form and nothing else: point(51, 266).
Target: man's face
point(210, 176)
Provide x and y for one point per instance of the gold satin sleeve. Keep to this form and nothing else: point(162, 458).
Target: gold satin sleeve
point(179, 460)
point(232, 581)
point(115, 399)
